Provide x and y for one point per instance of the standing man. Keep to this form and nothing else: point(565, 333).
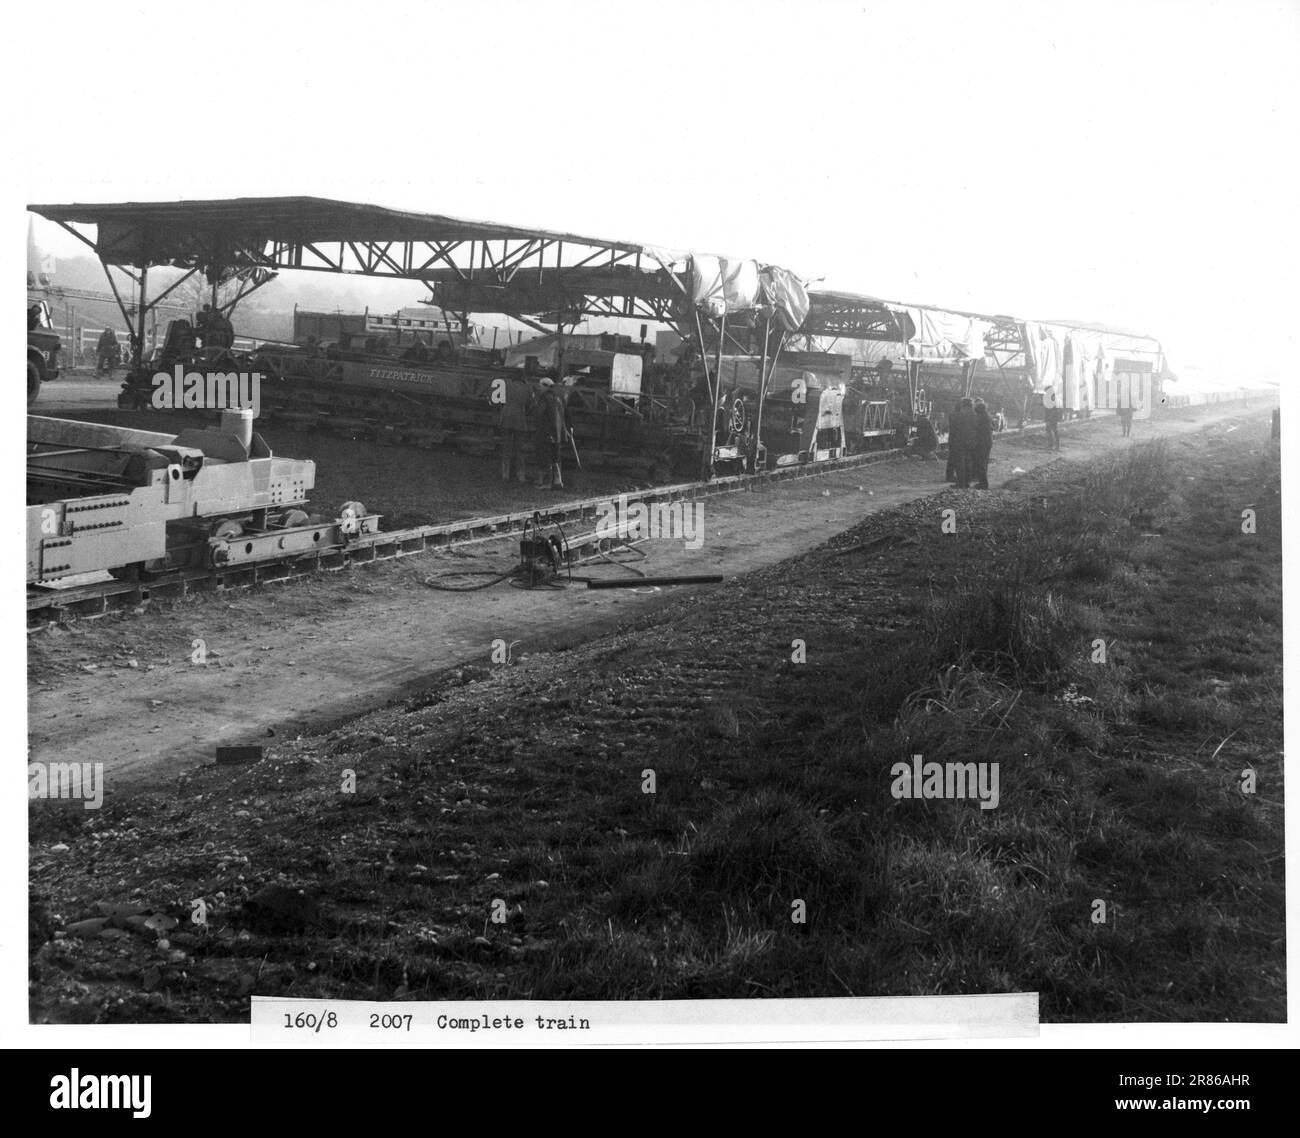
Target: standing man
point(107, 350)
point(551, 431)
point(983, 446)
point(961, 443)
point(1052, 420)
point(513, 422)
point(1124, 405)
point(1125, 421)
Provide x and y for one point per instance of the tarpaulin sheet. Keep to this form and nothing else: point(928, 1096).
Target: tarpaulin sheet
point(1045, 356)
point(787, 296)
point(1080, 372)
point(720, 285)
point(943, 335)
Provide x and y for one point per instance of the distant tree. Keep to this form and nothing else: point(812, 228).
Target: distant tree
point(196, 292)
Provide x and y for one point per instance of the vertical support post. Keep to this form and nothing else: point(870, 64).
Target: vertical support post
point(142, 311)
point(706, 457)
point(762, 393)
point(717, 390)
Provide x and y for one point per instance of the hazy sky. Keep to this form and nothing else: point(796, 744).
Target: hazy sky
point(1130, 163)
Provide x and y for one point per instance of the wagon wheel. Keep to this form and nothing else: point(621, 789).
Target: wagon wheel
point(731, 416)
point(738, 418)
point(350, 515)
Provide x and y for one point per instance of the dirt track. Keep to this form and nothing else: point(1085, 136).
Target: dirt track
point(125, 692)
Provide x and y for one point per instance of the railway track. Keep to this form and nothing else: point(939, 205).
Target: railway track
point(53, 605)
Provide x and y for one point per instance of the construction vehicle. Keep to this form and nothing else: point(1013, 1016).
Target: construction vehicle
point(43, 347)
point(137, 504)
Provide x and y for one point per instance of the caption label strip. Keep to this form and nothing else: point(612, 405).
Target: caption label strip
point(506, 1023)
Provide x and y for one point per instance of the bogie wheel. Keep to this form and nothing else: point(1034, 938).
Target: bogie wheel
point(350, 515)
point(227, 530)
point(33, 382)
point(291, 519)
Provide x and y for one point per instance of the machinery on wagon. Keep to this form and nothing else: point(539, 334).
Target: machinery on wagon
point(139, 503)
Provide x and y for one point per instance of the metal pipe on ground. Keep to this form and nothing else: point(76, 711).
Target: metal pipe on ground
point(637, 582)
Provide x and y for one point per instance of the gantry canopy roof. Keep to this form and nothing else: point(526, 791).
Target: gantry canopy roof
point(468, 265)
point(856, 316)
point(245, 221)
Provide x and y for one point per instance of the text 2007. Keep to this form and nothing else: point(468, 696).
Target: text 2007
point(399, 1022)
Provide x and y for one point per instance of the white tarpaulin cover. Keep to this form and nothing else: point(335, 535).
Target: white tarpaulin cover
point(1082, 350)
point(720, 285)
point(940, 335)
point(1044, 355)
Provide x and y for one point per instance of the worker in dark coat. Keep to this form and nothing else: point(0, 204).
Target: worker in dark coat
point(983, 446)
point(550, 433)
point(926, 442)
point(961, 442)
point(107, 351)
point(1052, 420)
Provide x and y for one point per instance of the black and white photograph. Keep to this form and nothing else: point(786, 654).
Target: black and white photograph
point(579, 524)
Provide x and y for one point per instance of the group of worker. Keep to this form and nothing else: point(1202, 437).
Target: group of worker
point(538, 406)
point(970, 442)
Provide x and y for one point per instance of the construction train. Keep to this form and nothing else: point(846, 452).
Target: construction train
point(627, 411)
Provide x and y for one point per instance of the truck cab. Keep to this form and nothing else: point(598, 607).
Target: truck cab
point(43, 347)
